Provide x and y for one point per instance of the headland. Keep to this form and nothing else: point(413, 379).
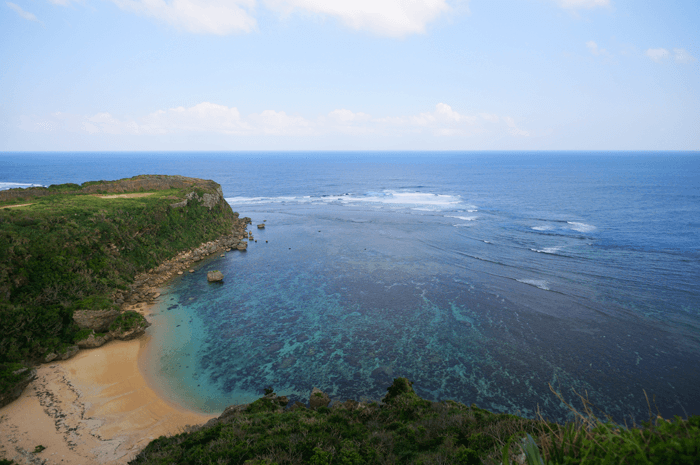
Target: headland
point(85, 404)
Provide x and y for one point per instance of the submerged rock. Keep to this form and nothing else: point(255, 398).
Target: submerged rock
point(215, 276)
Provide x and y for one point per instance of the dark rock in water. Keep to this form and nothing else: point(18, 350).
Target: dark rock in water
point(70, 352)
point(215, 276)
point(261, 226)
point(302, 338)
point(382, 373)
point(93, 341)
point(318, 399)
point(27, 376)
point(96, 320)
point(274, 347)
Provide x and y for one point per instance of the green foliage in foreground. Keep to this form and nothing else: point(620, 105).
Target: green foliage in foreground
point(69, 250)
point(409, 430)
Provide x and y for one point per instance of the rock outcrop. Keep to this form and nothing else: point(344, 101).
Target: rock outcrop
point(94, 340)
point(96, 320)
point(215, 276)
point(70, 352)
point(318, 399)
point(26, 375)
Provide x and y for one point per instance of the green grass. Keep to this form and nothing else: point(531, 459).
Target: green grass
point(406, 429)
point(595, 441)
point(70, 251)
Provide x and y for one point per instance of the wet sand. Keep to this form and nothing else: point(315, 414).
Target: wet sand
point(94, 408)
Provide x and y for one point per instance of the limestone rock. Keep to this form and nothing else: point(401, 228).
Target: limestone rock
point(261, 226)
point(93, 341)
point(182, 204)
point(50, 357)
point(70, 352)
point(28, 375)
point(242, 246)
point(131, 333)
point(97, 320)
point(318, 399)
point(215, 276)
point(296, 406)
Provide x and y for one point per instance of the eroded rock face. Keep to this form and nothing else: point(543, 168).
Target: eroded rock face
point(215, 276)
point(93, 341)
point(96, 320)
point(70, 352)
point(28, 375)
point(132, 333)
point(318, 399)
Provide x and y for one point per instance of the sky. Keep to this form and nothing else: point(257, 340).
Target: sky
point(122, 75)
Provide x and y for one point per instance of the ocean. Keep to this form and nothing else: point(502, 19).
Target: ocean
point(482, 277)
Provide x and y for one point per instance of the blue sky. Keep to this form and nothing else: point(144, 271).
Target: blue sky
point(349, 75)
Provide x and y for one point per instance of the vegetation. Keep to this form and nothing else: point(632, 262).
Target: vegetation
point(71, 249)
point(126, 321)
point(408, 429)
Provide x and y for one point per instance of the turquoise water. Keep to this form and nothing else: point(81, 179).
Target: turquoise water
point(482, 277)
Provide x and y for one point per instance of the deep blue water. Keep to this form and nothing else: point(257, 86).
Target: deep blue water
point(482, 277)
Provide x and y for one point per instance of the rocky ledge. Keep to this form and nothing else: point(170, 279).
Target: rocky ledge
point(144, 292)
point(25, 376)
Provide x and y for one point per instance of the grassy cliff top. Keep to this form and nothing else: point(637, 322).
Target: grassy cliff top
point(70, 247)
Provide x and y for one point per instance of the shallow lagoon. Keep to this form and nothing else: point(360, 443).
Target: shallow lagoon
point(345, 298)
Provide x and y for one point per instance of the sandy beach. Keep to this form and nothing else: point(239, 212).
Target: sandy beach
point(94, 408)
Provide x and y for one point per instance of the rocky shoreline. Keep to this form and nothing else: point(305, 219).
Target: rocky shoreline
point(145, 290)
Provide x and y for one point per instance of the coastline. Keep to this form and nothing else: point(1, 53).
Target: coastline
point(100, 405)
point(96, 407)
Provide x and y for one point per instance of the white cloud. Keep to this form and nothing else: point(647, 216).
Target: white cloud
point(211, 118)
point(395, 18)
point(344, 116)
point(593, 47)
point(576, 4)
point(657, 54)
point(595, 50)
point(24, 14)
point(682, 56)
point(515, 130)
point(218, 17)
point(203, 117)
point(279, 123)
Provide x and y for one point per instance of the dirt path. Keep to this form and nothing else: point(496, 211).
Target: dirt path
point(125, 196)
point(20, 205)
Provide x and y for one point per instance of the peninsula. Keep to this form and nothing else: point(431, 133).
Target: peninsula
point(74, 260)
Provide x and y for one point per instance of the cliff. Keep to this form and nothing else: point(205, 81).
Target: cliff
point(72, 255)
